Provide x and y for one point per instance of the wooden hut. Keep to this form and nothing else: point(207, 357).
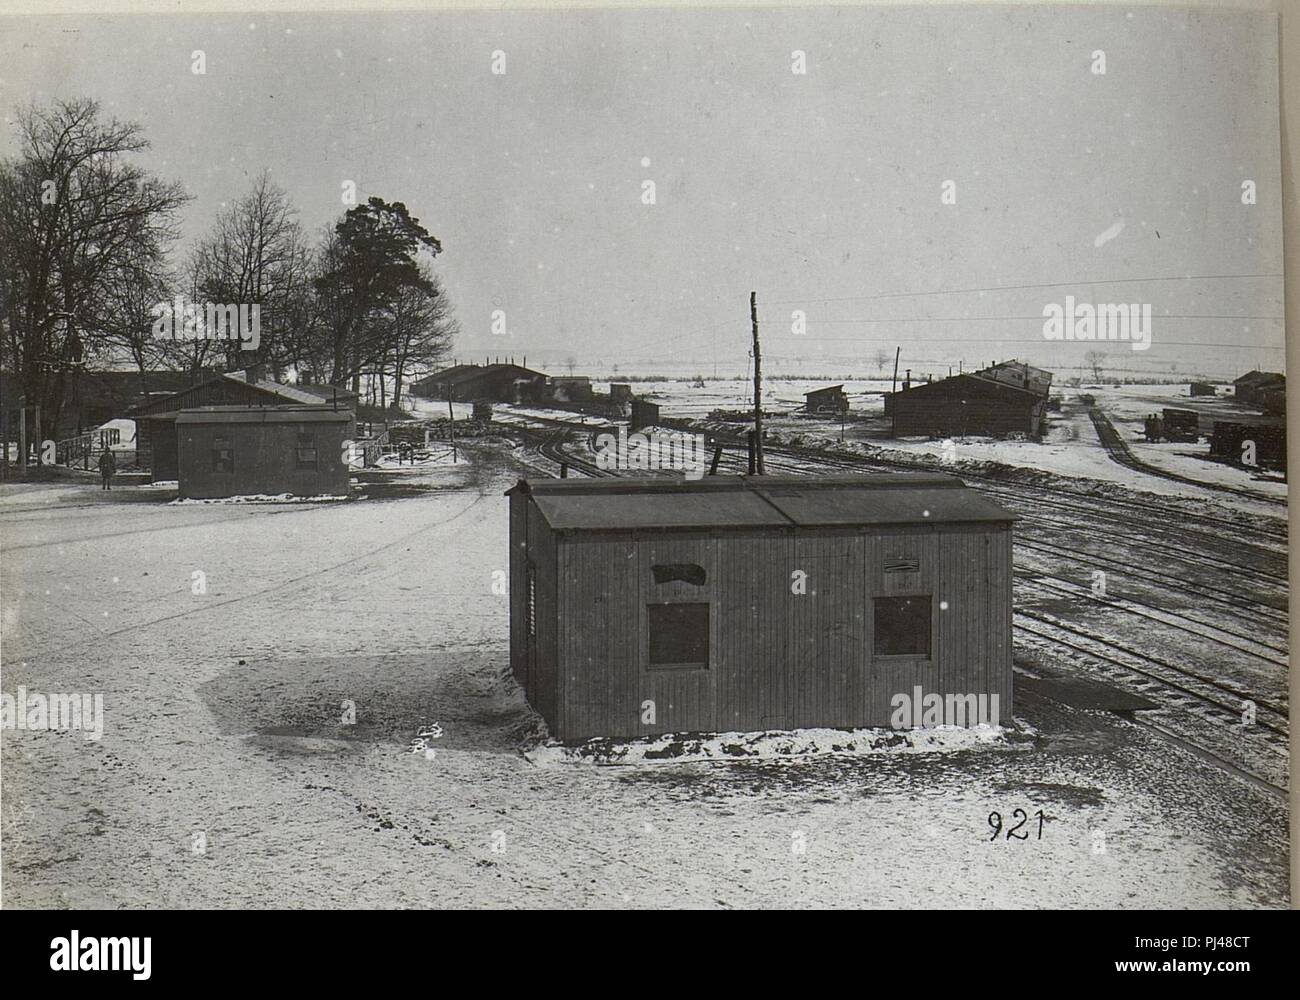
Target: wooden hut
point(156, 435)
point(964, 405)
point(752, 603)
point(831, 399)
point(644, 414)
point(226, 451)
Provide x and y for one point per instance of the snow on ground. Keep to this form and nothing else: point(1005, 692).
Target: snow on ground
point(1070, 447)
point(228, 716)
point(678, 748)
point(263, 498)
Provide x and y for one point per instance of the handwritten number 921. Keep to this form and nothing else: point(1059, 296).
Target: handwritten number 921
point(995, 822)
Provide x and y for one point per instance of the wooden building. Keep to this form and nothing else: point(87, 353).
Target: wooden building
point(1021, 375)
point(750, 603)
point(569, 389)
point(644, 414)
point(226, 451)
point(832, 399)
point(1229, 440)
point(499, 383)
point(155, 420)
point(967, 404)
point(1247, 388)
point(1203, 389)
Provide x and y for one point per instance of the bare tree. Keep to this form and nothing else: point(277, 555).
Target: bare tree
point(420, 330)
point(255, 254)
point(1095, 359)
point(73, 213)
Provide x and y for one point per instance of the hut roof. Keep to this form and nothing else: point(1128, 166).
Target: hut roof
point(623, 504)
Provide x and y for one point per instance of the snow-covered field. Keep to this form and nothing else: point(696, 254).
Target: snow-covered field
point(256, 750)
point(1070, 447)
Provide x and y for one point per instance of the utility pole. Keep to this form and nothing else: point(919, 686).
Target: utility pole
point(758, 386)
point(894, 384)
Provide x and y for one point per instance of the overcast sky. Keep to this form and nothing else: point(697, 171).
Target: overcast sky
point(821, 191)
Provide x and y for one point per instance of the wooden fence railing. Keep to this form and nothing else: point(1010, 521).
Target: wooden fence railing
point(84, 447)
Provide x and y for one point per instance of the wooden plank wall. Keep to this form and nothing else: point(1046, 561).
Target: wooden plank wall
point(518, 570)
point(545, 680)
point(950, 417)
point(779, 660)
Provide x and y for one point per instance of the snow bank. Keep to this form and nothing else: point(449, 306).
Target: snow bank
point(685, 748)
point(264, 498)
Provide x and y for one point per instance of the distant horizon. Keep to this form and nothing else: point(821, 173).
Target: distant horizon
point(825, 192)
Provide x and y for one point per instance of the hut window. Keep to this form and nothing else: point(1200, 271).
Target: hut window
point(306, 450)
point(223, 455)
point(686, 572)
point(679, 635)
point(902, 626)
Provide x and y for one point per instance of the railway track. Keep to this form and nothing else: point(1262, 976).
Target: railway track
point(552, 447)
point(1123, 511)
point(1247, 644)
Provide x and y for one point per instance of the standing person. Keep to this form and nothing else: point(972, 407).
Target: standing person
point(107, 466)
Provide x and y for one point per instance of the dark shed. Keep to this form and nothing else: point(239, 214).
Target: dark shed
point(644, 414)
point(966, 404)
point(752, 603)
point(499, 383)
point(156, 442)
point(226, 451)
point(832, 399)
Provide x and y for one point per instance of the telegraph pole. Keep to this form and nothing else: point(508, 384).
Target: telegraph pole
point(758, 385)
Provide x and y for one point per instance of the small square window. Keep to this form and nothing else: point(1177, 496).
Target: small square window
point(679, 635)
point(902, 626)
point(223, 455)
point(306, 450)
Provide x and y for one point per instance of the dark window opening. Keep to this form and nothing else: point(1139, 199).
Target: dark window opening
point(686, 572)
point(306, 450)
point(679, 635)
point(902, 626)
point(223, 455)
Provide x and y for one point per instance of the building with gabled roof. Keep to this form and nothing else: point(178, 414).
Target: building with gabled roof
point(156, 440)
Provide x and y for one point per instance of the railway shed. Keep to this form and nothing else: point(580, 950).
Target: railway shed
point(733, 603)
point(831, 399)
point(975, 403)
point(227, 451)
